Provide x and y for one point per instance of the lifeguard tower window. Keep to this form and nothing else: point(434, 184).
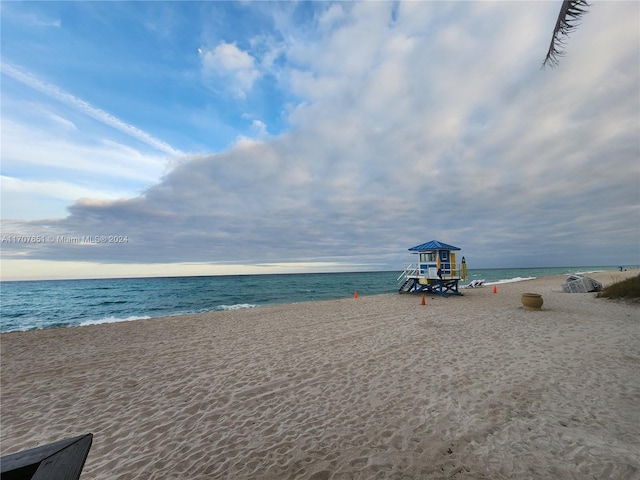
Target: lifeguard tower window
point(428, 257)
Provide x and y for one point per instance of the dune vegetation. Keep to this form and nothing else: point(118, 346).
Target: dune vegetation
point(625, 289)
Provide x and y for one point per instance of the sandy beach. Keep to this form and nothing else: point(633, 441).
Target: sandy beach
point(376, 387)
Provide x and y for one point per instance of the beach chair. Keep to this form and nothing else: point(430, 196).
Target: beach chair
point(475, 284)
point(580, 284)
point(62, 460)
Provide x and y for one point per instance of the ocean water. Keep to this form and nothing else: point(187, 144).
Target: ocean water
point(31, 305)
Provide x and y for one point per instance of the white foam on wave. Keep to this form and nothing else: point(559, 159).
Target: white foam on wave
point(22, 328)
point(112, 319)
point(238, 306)
point(511, 280)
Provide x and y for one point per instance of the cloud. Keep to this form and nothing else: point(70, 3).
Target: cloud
point(36, 199)
point(226, 62)
point(46, 168)
point(53, 91)
point(30, 19)
point(410, 127)
point(16, 269)
point(331, 17)
point(52, 150)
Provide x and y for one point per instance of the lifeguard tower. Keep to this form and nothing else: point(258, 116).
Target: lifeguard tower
point(435, 271)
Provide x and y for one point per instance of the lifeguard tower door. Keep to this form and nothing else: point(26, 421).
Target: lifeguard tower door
point(428, 265)
point(445, 262)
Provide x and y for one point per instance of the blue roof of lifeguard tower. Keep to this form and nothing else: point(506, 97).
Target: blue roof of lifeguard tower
point(432, 245)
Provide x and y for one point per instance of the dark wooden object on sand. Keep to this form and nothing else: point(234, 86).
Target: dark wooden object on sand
point(62, 460)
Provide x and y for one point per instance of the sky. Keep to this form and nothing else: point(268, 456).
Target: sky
point(201, 138)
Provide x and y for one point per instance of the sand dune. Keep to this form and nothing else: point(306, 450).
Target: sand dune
point(377, 387)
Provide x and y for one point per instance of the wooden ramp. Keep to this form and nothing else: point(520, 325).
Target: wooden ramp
point(62, 460)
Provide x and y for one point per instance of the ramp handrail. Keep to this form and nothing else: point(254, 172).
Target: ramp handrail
point(409, 269)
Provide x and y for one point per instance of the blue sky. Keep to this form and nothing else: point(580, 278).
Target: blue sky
point(260, 137)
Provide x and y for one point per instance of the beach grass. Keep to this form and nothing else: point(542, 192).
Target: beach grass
point(628, 289)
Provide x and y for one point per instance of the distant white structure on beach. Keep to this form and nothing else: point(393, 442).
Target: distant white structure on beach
point(474, 284)
point(580, 284)
point(435, 271)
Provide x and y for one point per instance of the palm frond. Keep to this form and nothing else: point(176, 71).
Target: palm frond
point(568, 20)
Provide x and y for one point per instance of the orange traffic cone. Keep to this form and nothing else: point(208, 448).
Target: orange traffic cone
point(424, 301)
point(355, 294)
point(495, 289)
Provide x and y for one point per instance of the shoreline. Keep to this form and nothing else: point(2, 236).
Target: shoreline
point(86, 315)
point(379, 386)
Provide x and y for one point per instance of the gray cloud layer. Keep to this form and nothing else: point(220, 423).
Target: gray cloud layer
point(418, 128)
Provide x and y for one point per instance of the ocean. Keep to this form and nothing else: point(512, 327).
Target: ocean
point(32, 305)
